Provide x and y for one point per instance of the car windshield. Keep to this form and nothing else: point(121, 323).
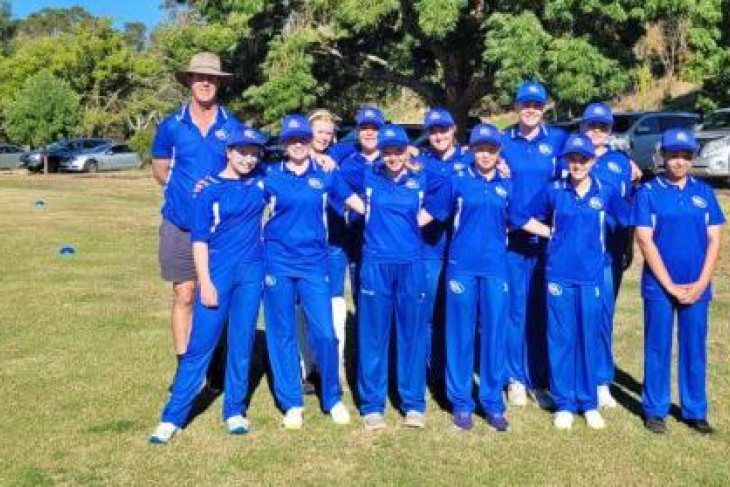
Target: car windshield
point(717, 121)
point(623, 122)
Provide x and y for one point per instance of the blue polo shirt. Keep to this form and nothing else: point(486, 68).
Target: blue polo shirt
point(392, 234)
point(342, 150)
point(295, 235)
point(479, 236)
point(577, 247)
point(532, 164)
point(193, 157)
point(435, 234)
point(679, 218)
point(227, 215)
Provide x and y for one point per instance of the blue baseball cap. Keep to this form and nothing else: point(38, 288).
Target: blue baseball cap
point(243, 135)
point(579, 144)
point(598, 113)
point(531, 91)
point(438, 117)
point(392, 136)
point(369, 116)
point(295, 125)
point(485, 133)
point(678, 140)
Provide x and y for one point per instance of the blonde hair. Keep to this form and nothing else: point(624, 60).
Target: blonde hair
point(322, 114)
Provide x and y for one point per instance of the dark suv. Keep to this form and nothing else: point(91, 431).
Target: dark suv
point(61, 150)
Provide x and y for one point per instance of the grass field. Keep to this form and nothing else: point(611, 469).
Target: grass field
point(85, 360)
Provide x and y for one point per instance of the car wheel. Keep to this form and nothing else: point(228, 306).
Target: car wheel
point(91, 167)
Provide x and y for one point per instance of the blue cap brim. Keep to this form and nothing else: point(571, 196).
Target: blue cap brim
point(486, 140)
point(303, 134)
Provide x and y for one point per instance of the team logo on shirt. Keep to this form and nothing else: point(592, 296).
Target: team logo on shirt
point(613, 167)
point(459, 166)
point(412, 184)
point(456, 287)
point(699, 202)
point(545, 149)
point(221, 134)
point(270, 280)
point(315, 183)
point(500, 191)
point(595, 203)
point(555, 289)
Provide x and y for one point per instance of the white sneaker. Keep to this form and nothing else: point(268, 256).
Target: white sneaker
point(238, 425)
point(162, 434)
point(605, 399)
point(415, 419)
point(374, 421)
point(517, 394)
point(340, 414)
point(563, 420)
point(594, 419)
point(293, 419)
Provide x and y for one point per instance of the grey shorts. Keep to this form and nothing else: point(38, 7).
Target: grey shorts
point(175, 254)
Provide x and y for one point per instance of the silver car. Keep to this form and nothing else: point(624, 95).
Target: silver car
point(10, 156)
point(713, 135)
point(109, 157)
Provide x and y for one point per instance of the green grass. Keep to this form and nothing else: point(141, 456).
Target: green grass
point(85, 359)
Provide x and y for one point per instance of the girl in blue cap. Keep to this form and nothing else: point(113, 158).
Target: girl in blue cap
point(229, 264)
point(678, 222)
point(295, 244)
point(577, 207)
point(531, 151)
point(398, 197)
point(476, 282)
point(616, 169)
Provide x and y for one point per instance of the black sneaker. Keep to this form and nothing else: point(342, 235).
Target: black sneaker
point(700, 426)
point(655, 425)
point(309, 385)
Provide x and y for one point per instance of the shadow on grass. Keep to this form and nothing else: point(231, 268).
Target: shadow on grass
point(627, 392)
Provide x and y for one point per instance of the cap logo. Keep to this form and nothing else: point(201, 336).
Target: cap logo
point(390, 133)
point(369, 113)
point(315, 183)
point(555, 289)
point(435, 115)
point(613, 167)
point(249, 133)
point(699, 202)
point(456, 287)
point(545, 149)
point(578, 142)
point(533, 89)
point(599, 111)
point(293, 124)
point(221, 134)
point(682, 136)
point(595, 203)
point(485, 131)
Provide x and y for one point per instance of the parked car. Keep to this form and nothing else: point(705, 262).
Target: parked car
point(61, 150)
point(713, 136)
point(108, 157)
point(10, 156)
point(638, 133)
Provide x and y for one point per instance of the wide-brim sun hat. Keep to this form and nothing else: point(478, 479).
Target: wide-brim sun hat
point(202, 63)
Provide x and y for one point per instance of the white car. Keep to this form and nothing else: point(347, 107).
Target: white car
point(713, 136)
point(109, 157)
point(10, 156)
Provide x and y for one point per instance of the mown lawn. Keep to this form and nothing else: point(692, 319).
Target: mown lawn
point(85, 360)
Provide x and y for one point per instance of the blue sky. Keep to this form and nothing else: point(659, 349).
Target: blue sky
point(121, 11)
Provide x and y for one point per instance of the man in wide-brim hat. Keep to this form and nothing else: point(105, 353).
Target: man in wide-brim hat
point(189, 145)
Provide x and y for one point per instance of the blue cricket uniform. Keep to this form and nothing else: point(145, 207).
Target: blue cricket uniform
point(477, 290)
point(679, 219)
point(575, 258)
point(227, 216)
point(393, 280)
point(296, 254)
point(193, 158)
point(532, 165)
point(435, 237)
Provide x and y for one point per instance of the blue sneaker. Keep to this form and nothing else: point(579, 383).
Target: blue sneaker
point(463, 421)
point(497, 422)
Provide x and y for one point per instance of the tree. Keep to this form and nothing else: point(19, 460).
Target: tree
point(45, 109)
